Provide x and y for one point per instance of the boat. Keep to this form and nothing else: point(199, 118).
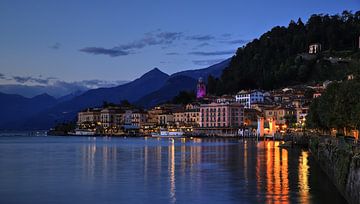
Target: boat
point(168, 134)
point(79, 132)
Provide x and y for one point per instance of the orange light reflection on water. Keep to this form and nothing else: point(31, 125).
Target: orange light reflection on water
point(277, 176)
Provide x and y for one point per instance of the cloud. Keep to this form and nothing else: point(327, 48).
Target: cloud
point(22, 80)
point(169, 36)
point(2, 76)
point(238, 41)
point(207, 62)
point(112, 52)
point(172, 53)
point(149, 39)
point(214, 53)
point(55, 46)
point(200, 37)
point(203, 44)
point(95, 83)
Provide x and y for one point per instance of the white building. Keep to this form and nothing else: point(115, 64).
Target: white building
point(246, 98)
point(314, 48)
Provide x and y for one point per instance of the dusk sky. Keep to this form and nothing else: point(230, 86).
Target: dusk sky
point(121, 40)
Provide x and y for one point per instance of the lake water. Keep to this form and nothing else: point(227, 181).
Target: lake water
point(149, 170)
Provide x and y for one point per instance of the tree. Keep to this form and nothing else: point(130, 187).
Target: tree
point(277, 58)
point(338, 107)
point(184, 97)
point(212, 84)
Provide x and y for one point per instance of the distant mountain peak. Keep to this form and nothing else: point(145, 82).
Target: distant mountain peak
point(155, 72)
point(44, 95)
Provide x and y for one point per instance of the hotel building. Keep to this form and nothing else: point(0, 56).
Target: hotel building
point(222, 119)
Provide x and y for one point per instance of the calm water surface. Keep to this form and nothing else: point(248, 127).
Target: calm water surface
point(148, 170)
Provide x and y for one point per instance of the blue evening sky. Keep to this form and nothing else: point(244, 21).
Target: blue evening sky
point(120, 40)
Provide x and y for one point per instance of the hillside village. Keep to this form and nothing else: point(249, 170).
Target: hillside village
point(247, 113)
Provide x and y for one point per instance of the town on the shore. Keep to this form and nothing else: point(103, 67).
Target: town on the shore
point(249, 113)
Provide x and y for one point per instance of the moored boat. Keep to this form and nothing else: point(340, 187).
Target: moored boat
point(168, 134)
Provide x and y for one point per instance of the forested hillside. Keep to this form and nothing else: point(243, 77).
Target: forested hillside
point(279, 57)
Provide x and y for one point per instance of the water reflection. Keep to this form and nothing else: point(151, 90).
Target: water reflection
point(172, 171)
point(187, 171)
point(304, 177)
point(277, 182)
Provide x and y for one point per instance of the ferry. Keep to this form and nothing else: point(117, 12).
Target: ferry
point(168, 134)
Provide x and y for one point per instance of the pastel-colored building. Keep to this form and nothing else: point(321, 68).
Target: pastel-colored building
point(166, 119)
point(139, 118)
point(246, 98)
point(111, 118)
point(221, 119)
point(278, 114)
point(89, 116)
point(190, 116)
point(221, 115)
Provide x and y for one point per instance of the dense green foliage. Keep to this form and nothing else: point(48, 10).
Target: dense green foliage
point(63, 128)
point(279, 57)
point(338, 107)
point(184, 97)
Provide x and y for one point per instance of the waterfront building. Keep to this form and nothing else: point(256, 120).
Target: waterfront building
point(251, 117)
point(279, 114)
point(301, 113)
point(138, 118)
point(189, 117)
point(246, 98)
point(200, 89)
point(266, 127)
point(221, 118)
point(111, 119)
point(89, 116)
point(166, 119)
point(153, 114)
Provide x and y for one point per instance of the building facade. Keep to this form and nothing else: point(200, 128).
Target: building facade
point(246, 98)
point(221, 115)
point(89, 116)
point(139, 118)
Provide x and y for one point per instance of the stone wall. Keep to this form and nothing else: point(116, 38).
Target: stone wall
point(341, 162)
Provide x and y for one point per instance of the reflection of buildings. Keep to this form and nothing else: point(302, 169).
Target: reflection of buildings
point(273, 173)
point(276, 178)
point(172, 172)
point(98, 158)
point(304, 177)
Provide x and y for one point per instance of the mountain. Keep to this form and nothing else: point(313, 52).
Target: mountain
point(150, 89)
point(171, 88)
point(214, 70)
point(14, 107)
point(58, 90)
point(132, 91)
point(70, 96)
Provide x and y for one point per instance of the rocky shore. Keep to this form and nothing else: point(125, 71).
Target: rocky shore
point(340, 160)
